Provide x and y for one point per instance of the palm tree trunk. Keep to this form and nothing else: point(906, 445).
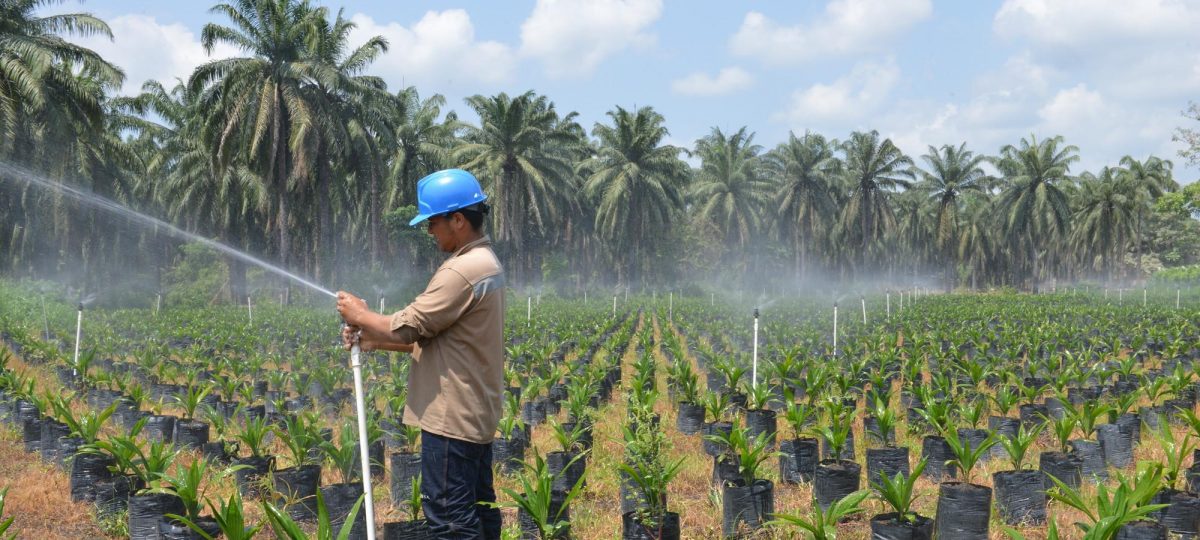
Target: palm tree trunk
point(325, 250)
point(373, 215)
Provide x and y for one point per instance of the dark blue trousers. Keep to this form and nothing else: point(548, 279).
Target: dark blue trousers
point(456, 476)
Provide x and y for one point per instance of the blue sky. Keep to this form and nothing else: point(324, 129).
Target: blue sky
point(1111, 76)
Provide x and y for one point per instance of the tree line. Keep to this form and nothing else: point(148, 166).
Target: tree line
point(296, 151)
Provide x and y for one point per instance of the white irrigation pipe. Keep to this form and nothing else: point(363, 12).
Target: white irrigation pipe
point(835, 328)
point(78, 336)
point(250, 309)
point(381, 304)
point(363, 450)
point(754, 362)
point(157, 303)
point(46, 318)
point(864, 306)
point(889, 305)
point(614, 305)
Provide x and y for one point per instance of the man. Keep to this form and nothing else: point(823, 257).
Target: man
point(455, 332)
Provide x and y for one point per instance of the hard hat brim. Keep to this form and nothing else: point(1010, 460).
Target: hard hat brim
point(420, 217)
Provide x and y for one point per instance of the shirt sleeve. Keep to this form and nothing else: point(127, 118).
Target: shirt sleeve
point(445, 299)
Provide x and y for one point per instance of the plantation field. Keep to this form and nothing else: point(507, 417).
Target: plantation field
point(650, 418)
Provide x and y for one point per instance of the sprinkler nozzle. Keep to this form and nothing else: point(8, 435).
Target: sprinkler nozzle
point(755, 313)
point(81, 306)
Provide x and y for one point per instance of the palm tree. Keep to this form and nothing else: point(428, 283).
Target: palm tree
point(804, 169)
point(730, 190)
point(874, 168)
point(258, 96)
point(915, 232)
point(222, 202)
point(637, 183)
point(1148, 180)
point(36, 62)
point(336, 88)
point(951, 172)
point(523, 152)
point(977, 248)
point(1104, 219)
point(1035, 209)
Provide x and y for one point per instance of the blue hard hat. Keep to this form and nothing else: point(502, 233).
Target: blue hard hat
point(446, 191)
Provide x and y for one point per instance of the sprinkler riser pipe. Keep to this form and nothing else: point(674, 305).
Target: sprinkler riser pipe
point(78, 335)
point(864, 307)
point(889, 305)
point(250, 309)
point(754, 354)
point(835, 328)
point(363, 449)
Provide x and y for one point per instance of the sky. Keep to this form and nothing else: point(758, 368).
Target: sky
point(1111, 76)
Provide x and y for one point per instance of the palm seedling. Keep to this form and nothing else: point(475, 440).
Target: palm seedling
point(5, 522)
point(1110, 510)
point(822, 524)
point(539, 513)
point(230, 518)
point(966, 456)
point(898, 493)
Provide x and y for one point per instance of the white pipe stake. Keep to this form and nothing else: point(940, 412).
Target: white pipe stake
point(528, 308)
point(250, 309)
point(864, 306)
point(78, 336)
point(363, 450)
point(835, 328)
point(614, 305)
point(889, 305)
point(46, 318)
point(754, 362)
point(1143, 297)
point(157, 303)
point(380, 304)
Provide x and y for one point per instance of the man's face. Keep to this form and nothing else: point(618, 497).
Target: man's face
point(440, 228)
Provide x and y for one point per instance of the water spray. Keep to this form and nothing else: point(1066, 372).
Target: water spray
point(78, 336)
point(113, 207)
point(363, 448)
point(835, 352)
point(754, 354)
point(864, 307)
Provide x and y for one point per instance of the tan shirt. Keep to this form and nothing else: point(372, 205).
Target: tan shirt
point(456, 380)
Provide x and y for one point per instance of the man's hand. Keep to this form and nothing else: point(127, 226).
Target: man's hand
point(350, 336)
point(351, 308)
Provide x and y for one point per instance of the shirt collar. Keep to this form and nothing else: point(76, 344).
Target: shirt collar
point(484, 240)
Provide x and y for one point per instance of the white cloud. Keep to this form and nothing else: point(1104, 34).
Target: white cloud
point(727, 81)
point(845, 27)
point(572, 37)
point(146, 49)
point(850, 97)
point(439, 50)
point(1079, 24)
